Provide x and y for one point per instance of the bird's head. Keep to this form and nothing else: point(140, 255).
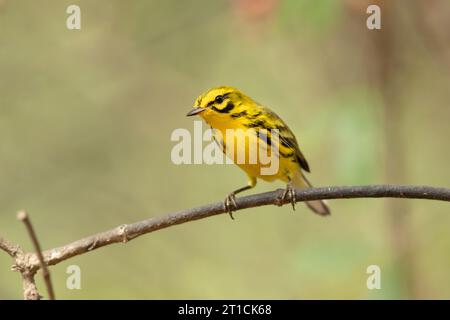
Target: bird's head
point(217, 103)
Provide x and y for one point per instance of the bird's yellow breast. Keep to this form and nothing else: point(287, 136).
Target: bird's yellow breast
point(251, 153)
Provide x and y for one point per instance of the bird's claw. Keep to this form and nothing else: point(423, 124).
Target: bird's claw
point(289, 192)
point(230, 204)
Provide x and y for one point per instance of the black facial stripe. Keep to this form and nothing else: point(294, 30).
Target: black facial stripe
point(211, 103)
point(228, 108)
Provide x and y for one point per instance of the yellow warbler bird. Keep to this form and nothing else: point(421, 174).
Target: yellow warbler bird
point(226, 109)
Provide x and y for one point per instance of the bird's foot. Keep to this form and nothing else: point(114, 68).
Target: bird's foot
point(230, 204)
point(289, 192)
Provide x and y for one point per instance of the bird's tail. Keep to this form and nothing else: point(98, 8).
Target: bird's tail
point(318, 206)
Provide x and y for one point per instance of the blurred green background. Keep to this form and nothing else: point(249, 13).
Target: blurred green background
point(85, 123)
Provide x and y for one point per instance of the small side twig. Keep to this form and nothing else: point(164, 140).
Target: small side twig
point(23, 216)
point(10, 248)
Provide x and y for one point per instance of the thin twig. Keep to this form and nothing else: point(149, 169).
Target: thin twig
point(23, 216)
point(128, 232)
point(9, 247)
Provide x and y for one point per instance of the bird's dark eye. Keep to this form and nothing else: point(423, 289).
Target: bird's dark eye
point(219, 99)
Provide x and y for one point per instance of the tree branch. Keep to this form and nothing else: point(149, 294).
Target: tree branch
point(30, 291)
point(12, 249)
point(128, 232)
point(29, 263)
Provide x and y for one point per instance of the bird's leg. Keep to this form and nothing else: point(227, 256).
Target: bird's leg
point(288, 192)
point(230, 201)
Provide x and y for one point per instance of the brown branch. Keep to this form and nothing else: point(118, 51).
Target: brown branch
point(128, 232)
point(29, 263)
point(29, 281)
point(10, 248)
point(30, 291)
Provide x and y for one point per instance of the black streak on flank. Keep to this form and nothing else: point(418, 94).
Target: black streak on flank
point(286, 154)
point(258, 124)
point(265, 138)
point(239, 114)
point(254, 116)
point(221, 144)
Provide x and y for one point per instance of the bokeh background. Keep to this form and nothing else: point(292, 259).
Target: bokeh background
point(85, 123)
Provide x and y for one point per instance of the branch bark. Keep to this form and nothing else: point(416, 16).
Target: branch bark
point(128, 232)
point(30, 261)
point(30, 291)
point(10, 248)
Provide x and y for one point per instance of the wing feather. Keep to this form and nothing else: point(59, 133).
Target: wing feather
point(287, 137)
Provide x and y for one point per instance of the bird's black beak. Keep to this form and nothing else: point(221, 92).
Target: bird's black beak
point(195, 111)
